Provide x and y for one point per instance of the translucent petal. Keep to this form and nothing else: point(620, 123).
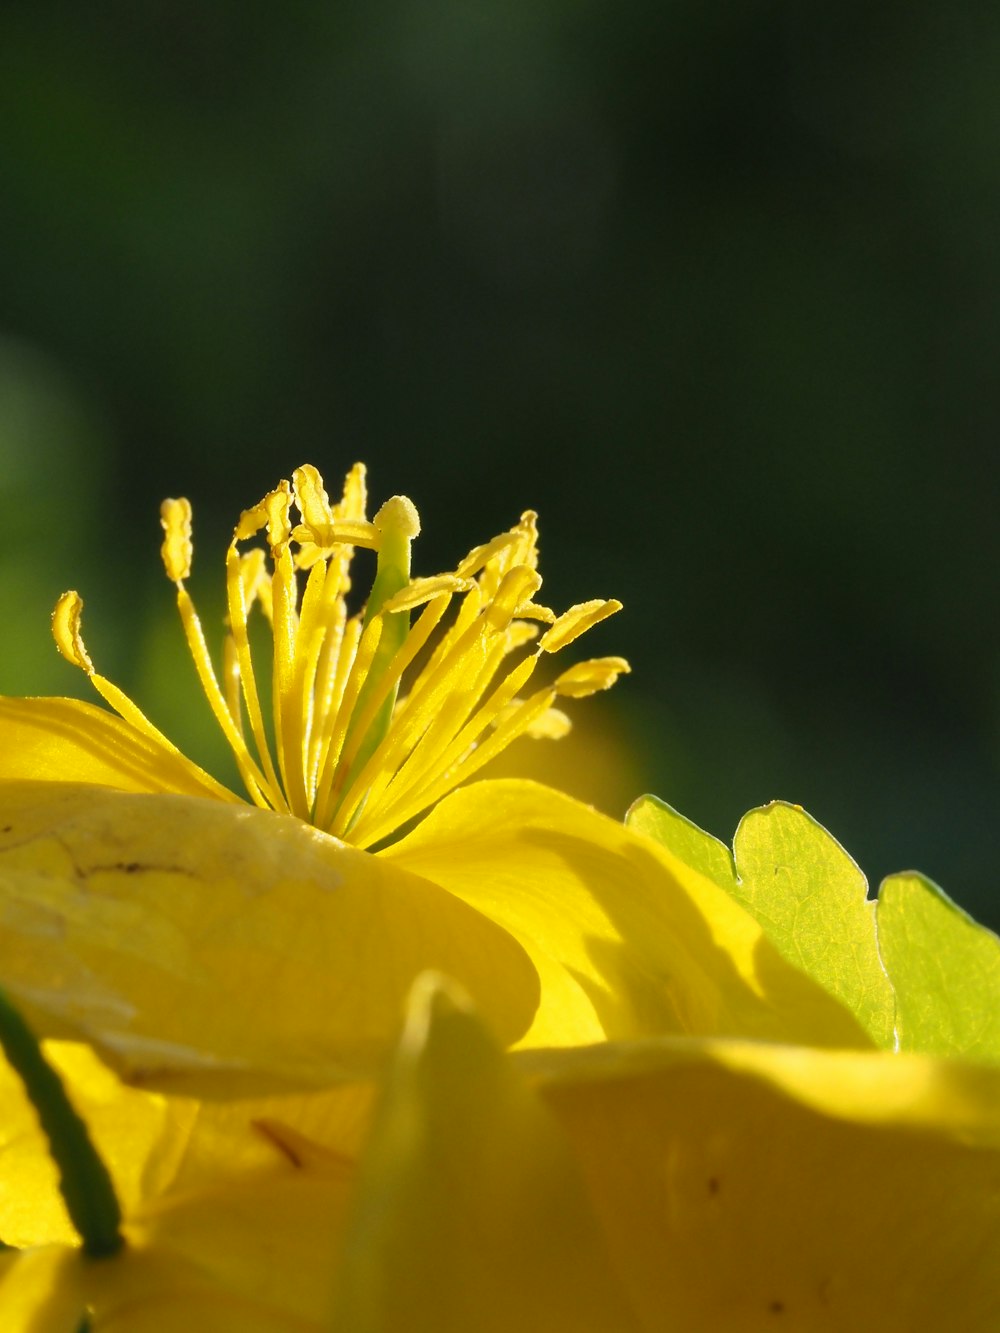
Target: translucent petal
point(470, 1213)
point(200, 945)
point(258, 1256)
point(248, 1254)
point(755, 1187)
point(40, 1292)
point(141, 1137)
point(154, 1144)
point(70, 741)
point(627, 940)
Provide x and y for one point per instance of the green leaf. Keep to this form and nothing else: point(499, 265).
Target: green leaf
point(693, 845)
point(945, 969)
point(805, 891)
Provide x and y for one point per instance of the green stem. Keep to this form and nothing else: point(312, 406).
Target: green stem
point(83, 1178)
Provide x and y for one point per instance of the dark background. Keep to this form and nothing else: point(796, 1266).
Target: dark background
point(714, 286)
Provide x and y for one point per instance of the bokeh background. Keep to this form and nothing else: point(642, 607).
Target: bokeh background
point(714, 286)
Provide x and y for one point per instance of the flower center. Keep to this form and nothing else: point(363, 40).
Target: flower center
point(347, 752)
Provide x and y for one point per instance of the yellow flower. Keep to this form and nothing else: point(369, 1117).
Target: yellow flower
point(191, 936)
point(207, 946)
point(348, 756)
point(337, 751)
point(672, 1144)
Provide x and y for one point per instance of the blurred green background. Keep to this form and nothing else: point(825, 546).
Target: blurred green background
point(711, 285)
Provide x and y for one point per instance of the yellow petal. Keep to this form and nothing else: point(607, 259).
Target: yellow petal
point(40, 1292)
point(153, 1145)
point(226, 1139)
point(755, 1187)
point(470, 1214)
point(142, 1138)
point(182, 1310)
point(258, 1256)
point(263, 1250)
point(627, 940)
point(70, 741)
point(198, 944)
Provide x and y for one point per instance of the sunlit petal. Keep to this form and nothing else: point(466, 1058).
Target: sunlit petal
point(201, 942)
point(627, 939)
point(754, 1187)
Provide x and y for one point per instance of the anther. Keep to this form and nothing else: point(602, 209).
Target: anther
point(177, 548)
point(66, 631)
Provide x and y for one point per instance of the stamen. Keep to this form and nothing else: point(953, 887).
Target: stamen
point(586, 678)
point(258, 786)
point(311, 498)
point(519, 633)
point(177, 549)
point(419, 796)
point(315, 543)
point(397, 523)
point(332, 777)
point(238, 609)
point(339, 673)
point(347, 753)
point(66, 619)
point(418, 636)
point(553, 724)
point(576, 621)
point(66, 629)
point(439, 700)
point(314, 624)
point(419, 591)
point(441, 725)
point(480, 556)
point(517, 587)
point(323, 528)
point(288, 711)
